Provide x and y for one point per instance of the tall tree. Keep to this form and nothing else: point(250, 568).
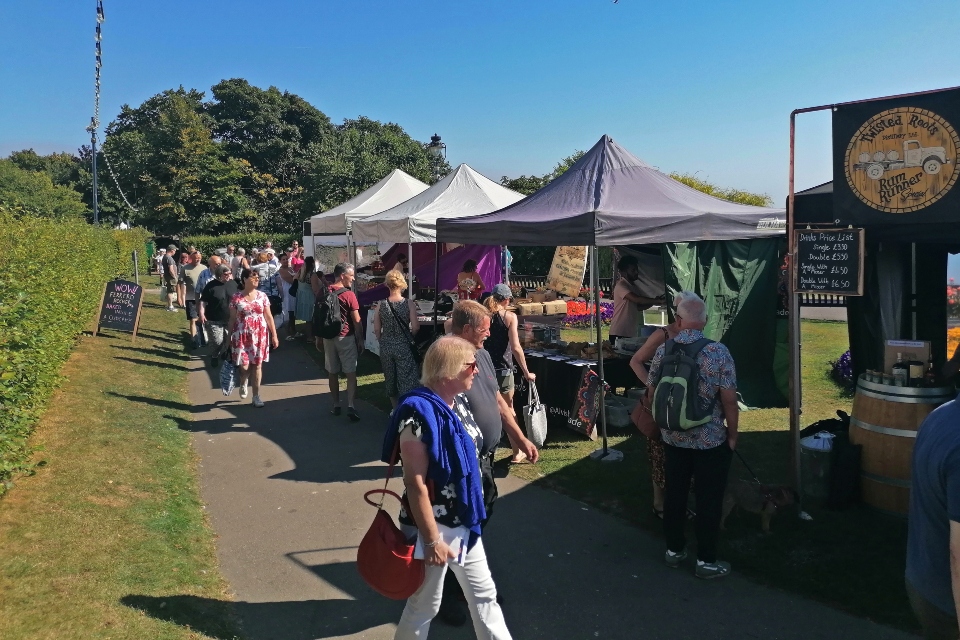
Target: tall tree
point(529, 184)
point(360, 153)
point(34, 193)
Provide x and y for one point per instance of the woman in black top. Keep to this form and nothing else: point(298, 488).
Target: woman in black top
point(503, 345)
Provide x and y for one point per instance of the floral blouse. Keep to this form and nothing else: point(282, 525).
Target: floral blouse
point(443, 499)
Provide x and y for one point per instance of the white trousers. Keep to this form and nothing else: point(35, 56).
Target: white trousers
point(474, 576)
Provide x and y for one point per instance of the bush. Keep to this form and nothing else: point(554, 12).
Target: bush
point(207, 245)
point(841, 371)
point(48, 296)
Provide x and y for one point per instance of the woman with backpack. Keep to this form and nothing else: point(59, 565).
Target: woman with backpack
point(395, 324)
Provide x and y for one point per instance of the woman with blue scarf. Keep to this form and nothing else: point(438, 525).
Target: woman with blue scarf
point(443, 503)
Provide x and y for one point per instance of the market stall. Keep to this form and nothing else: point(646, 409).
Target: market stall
point(895, 170)
point(608, 198)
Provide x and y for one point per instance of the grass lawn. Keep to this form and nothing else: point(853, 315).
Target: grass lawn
point(114, 517)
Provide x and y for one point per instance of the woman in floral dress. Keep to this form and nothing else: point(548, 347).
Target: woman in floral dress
point(251, 323)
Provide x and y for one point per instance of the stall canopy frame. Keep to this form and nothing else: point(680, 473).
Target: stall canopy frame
point(794, 297)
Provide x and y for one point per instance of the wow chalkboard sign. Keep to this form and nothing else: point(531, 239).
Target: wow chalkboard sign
point(830, 261)
point(120, 307)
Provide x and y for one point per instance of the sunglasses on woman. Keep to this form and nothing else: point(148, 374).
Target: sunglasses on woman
point(471, 366)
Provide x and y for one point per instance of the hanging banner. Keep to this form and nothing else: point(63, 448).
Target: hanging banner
point(895, 161)
point(567, 269)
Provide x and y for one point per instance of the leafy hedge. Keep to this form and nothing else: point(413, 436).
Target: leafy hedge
point(207, 245)
point(53, 275)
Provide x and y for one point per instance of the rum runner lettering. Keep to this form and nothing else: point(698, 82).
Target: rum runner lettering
point(892, 187)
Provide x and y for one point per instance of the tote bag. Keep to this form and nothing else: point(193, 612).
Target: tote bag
point(535, 417)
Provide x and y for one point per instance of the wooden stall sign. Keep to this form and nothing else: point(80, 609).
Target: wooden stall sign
point(120, 307)
point(829, 261)
point(567, 269)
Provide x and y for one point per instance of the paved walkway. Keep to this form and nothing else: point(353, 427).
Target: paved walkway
point(283, 486)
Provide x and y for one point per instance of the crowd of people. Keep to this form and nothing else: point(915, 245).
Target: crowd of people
point(452, 405)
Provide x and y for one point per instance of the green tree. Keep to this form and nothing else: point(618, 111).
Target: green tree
point(529, 184)
point(733, 195)
point(34, 193)
point(360, 153)
point(276, 134)
point(180, 177)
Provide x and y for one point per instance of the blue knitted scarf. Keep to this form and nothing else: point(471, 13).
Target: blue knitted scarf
point(451, 451)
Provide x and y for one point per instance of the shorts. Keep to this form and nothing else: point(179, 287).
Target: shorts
point(169, 283)
point(192, 310)
point(340, 354)
point(505, 382)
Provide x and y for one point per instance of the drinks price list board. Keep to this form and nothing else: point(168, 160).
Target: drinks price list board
point(829, 261)
point(120, 307)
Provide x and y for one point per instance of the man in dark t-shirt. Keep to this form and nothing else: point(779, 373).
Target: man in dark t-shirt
point(341, 353)
point(170, 272)
point(214, 310)
point(933, 527)
point(471, 321)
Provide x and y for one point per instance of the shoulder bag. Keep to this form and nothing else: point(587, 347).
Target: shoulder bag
point(642, 418)
point(409, 336)
point(385, 556)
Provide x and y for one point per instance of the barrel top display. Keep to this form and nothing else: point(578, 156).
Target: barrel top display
point(910, 395)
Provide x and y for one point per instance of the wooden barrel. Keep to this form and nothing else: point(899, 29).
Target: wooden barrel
point(885, 421)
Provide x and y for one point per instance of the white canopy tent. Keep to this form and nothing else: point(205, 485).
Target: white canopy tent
point(462, 193)
point(396, 187)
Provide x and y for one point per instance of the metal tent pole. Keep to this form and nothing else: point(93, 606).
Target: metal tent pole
point(605, 454)
point(410, 269)
point(795, 382)
point(436, 284)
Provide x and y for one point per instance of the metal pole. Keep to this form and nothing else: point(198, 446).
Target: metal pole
point(136, 268)
point(605, 454)
point(795, 382)
point(913, 290)
point(93, 145)
point(436, 284)
point(410, 268)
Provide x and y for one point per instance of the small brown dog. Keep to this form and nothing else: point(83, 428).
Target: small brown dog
point(756, 498)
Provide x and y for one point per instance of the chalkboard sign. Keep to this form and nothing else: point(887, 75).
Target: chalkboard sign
point(120, 307)
point(830, 261)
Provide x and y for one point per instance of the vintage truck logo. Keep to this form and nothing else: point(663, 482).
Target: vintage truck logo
point(902, 160)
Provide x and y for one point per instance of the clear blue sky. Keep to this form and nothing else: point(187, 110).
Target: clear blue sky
point(511, 86)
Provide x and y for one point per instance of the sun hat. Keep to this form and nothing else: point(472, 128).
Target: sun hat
point(502, 292)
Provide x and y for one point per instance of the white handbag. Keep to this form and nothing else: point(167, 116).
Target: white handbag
point(535, 417)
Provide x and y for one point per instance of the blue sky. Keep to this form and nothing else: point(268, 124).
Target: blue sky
point(511, 86)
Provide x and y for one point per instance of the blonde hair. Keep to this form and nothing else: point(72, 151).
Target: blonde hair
point(468, 312)
point(395, 280)
point(445, 358)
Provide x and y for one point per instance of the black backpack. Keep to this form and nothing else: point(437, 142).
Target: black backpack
point(676, 398)
point(327, 322)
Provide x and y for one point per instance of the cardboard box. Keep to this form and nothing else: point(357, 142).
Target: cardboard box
point(530, 309)
point(538, 296)
point(557, 306)
point(909, 349)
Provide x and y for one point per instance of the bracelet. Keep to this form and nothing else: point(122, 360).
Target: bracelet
point(434, 543)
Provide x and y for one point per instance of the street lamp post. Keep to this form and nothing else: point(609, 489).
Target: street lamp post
point(93, 145)
point(437, 151)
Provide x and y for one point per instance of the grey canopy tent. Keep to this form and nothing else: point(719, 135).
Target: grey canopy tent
point(610, 197)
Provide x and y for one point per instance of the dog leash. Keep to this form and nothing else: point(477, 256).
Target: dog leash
point(755, 478)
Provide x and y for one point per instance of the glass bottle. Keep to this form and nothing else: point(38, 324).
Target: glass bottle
point(901, 373)
point(930, 376)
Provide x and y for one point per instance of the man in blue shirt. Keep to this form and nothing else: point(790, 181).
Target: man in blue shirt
point(933, 534)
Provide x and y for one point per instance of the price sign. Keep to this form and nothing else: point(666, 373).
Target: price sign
point(830, 261)
point(120, 306)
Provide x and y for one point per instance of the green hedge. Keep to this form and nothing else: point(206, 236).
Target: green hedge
point(208, 244)
point(50, 286)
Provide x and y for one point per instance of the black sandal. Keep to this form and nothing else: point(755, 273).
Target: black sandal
point(657, 513)
point(352, 413)
point(335, 411)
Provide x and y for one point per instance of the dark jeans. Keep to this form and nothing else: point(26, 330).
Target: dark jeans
point(451, 586)
point(710, 468)
point(936, 624)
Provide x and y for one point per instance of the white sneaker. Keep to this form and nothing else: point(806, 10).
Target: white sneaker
point(257, 402)
point(243, 391)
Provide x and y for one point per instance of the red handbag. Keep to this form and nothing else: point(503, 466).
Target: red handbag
point(643, 419)
point(385, 558)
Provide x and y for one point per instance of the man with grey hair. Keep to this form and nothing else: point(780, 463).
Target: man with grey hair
point(704, 452)
point(342, 352)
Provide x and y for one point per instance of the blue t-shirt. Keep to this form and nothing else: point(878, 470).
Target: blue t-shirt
point(934, 502)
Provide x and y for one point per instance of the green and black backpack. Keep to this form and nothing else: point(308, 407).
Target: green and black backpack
point(676, 398)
